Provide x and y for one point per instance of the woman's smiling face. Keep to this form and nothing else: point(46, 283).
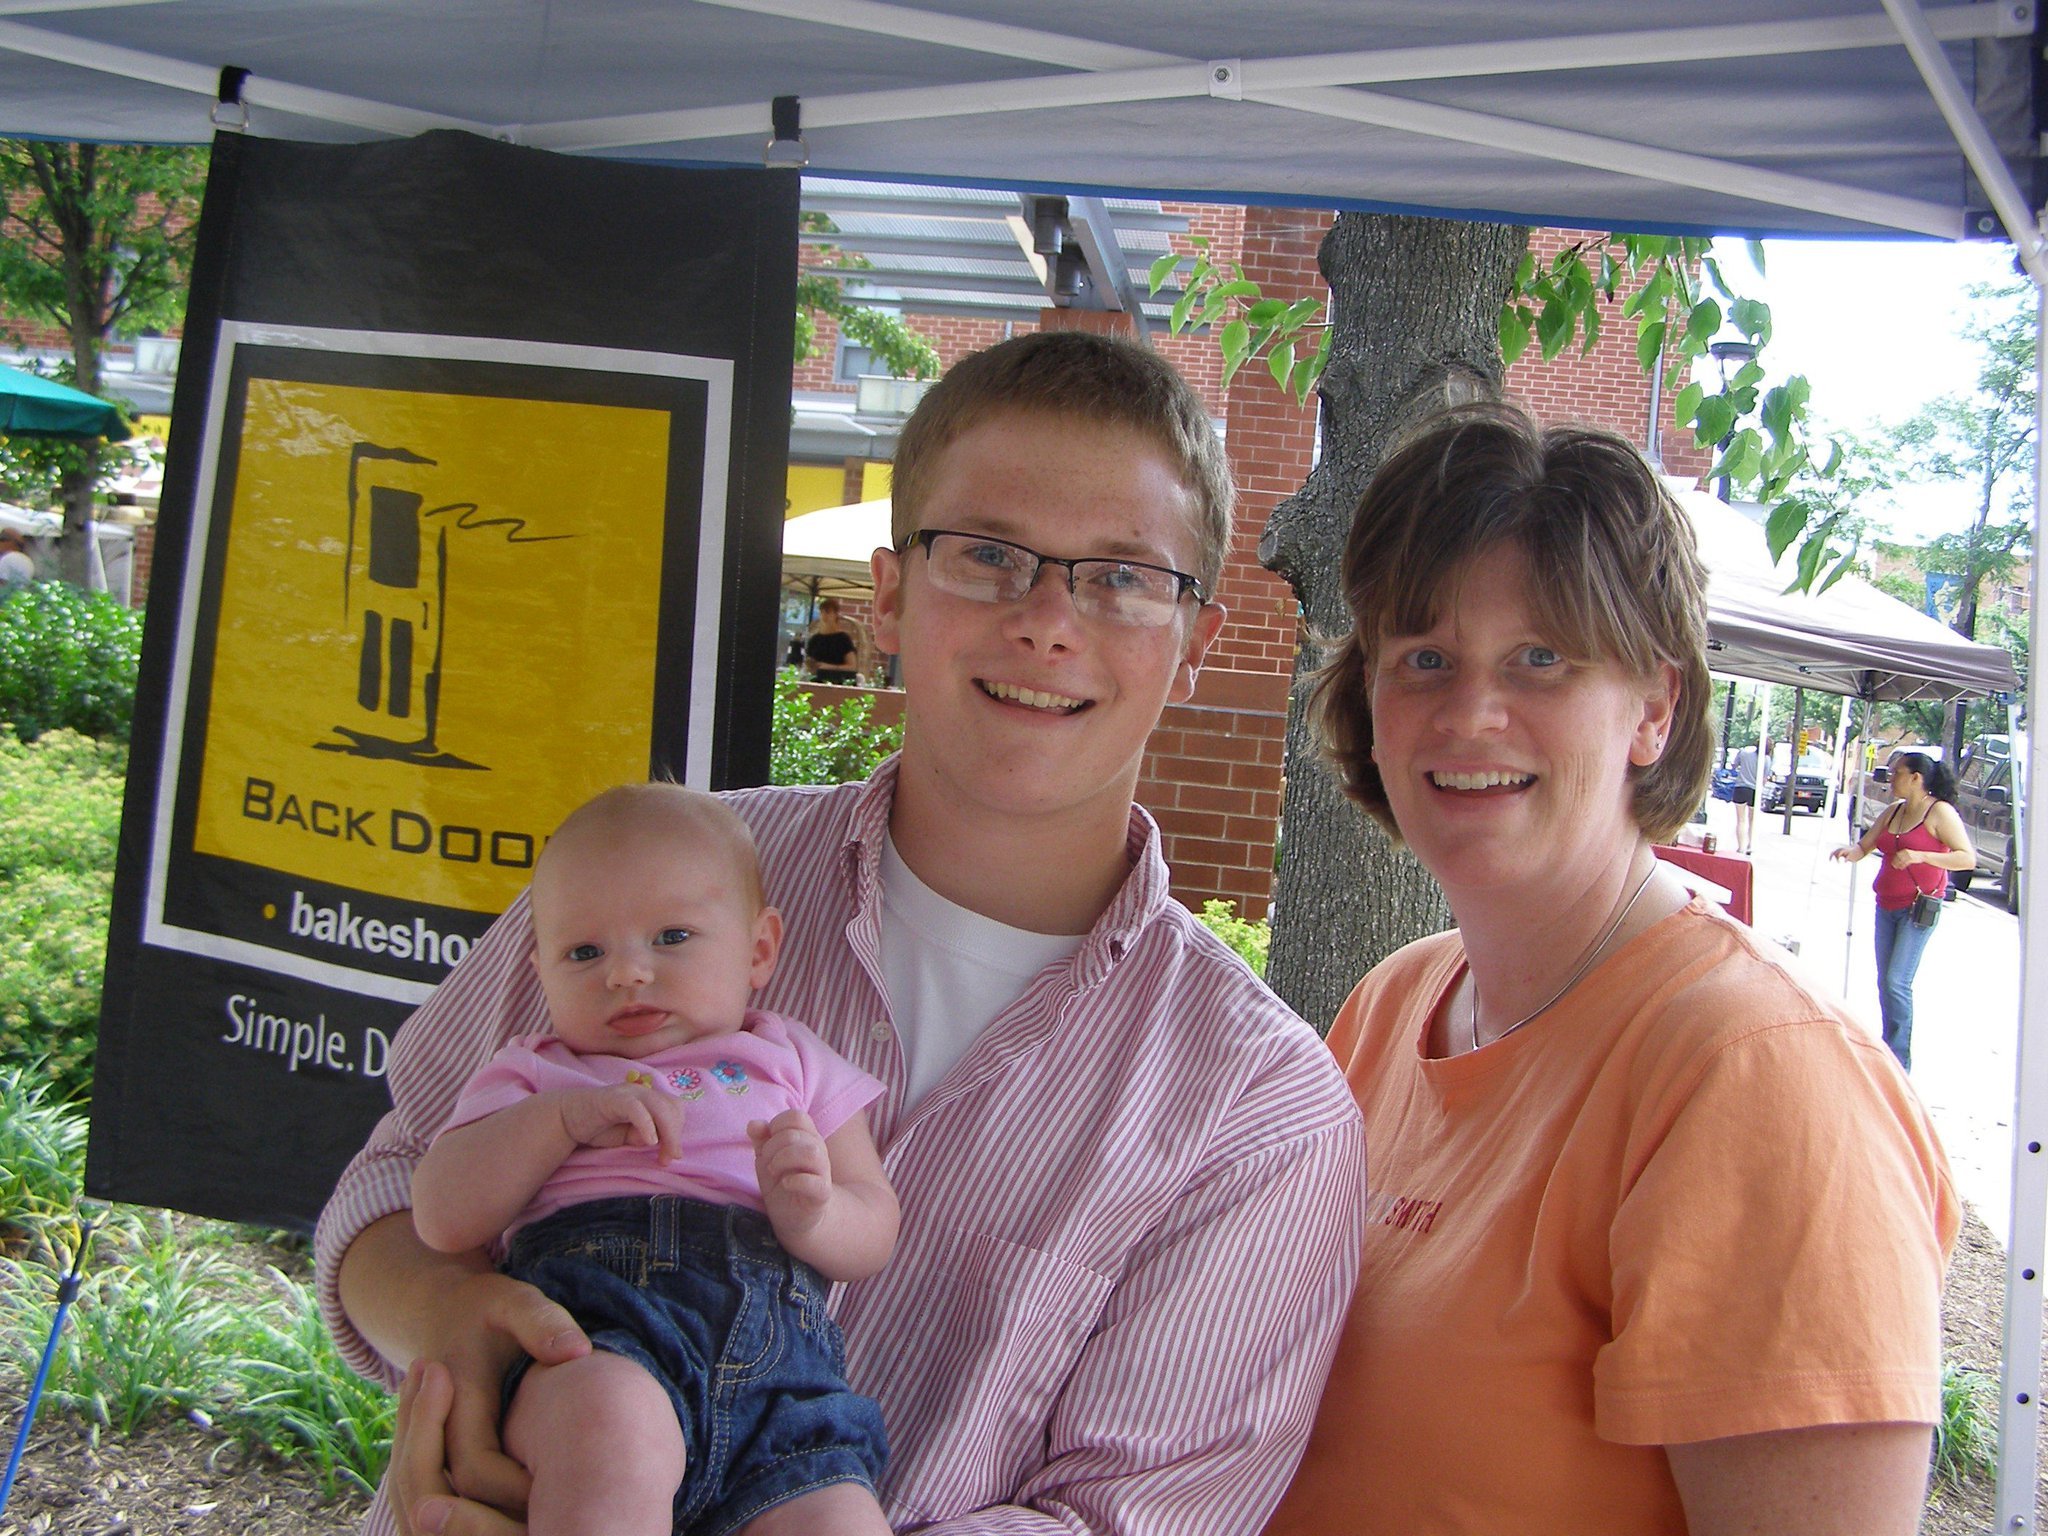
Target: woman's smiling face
point(1504, 758)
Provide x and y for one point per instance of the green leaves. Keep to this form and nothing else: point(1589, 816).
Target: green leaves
point(1517, 323)
point(60, 814)
point(898, 348)
point(67, 658)
point(1247, 325)
point(1669, 286)
point(1682, 303)
point(1250, 940)
point(1713, 418)
point(830, 745)
point(98, 238)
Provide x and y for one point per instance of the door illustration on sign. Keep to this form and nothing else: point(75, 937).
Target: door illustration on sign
point(394, 586)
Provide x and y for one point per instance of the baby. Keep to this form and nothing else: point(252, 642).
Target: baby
point(626, 1163)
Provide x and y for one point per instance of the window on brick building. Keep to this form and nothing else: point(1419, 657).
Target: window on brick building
point(852, 361)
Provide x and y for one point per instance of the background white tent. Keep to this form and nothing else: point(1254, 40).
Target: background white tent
point(826, 551)
point(1775, 116)
point(1851, 639)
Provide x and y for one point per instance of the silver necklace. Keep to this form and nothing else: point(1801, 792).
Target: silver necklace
point(1572, 980)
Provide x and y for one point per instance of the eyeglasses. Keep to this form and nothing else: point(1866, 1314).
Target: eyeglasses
point(989, 570)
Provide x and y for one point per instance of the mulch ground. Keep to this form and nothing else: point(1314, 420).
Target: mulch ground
point(1973, 1319)
point(180, 1478)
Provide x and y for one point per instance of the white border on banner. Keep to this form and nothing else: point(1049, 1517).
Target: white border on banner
point(717, 375)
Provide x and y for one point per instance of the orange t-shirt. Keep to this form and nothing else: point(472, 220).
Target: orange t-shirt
point(1692, 1200)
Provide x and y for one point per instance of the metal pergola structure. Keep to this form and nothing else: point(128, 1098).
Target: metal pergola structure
point(991, 254)
point(1776, 117)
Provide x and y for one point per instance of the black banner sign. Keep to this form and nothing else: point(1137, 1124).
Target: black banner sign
point(473, 507)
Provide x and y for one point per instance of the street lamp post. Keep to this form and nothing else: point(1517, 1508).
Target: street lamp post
point(1742, 352)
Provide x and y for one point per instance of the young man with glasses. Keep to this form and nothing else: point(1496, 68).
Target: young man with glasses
point(1131, 1180)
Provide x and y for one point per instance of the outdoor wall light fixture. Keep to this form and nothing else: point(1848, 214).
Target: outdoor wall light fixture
point(1070, 279)
point(1733, 349)
point(1048, 225)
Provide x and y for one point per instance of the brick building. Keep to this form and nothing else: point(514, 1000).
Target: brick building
point(1212, 771)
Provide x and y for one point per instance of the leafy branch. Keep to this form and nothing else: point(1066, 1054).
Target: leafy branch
point(820, 290)
point(1673, 290)
point(1252, 325)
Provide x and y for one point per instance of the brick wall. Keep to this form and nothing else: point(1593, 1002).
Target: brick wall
point(33, 336)
point(1271, 441)
point(1606, 387)
point(1210, 778)
point(1212, 768)
point(140, 562)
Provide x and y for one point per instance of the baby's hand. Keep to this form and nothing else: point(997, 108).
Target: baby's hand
point(624, 1115)
point(794, 1170)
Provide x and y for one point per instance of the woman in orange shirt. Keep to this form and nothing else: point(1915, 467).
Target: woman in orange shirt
point(1655, 1234)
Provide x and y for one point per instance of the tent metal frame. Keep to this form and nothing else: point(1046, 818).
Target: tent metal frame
point(1102, 74)
point(1327, 85)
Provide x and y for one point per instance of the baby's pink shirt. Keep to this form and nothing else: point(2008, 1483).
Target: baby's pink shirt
point(771, 1064)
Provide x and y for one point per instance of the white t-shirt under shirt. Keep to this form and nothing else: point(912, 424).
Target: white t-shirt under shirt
point(948, 972)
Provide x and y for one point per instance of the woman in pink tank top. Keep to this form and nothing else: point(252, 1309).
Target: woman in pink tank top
point(1918, 839)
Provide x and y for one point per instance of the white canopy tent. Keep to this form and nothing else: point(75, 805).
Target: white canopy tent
point(1777, 117)
point(830, 547)
point(1851, 639)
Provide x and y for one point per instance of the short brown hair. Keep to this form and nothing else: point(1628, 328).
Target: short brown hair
point(1622, 579)
point(1078, 374)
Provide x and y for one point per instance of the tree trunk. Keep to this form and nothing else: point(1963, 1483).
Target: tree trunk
point(75, 488)
point(1415, 306)
point(87, 291)
point(74, 544)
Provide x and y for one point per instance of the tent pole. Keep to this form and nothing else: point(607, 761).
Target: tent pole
point(1838, 791)
point(1855, 811)
point(1972, 137)
point(2019, 1408)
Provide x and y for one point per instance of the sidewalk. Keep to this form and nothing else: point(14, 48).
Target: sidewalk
point(1966, 1013)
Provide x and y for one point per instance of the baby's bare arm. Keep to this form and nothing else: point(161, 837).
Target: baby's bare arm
point(475, 1179)
point(827, 1197)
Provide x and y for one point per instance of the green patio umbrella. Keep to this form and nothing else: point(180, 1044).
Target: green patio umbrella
point(33, 406)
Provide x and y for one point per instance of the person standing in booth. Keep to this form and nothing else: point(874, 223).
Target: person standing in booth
point(1918, 839)
point(836, 648)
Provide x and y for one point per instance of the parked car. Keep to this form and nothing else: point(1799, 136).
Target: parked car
point(1984, 800)
point(1809, 789)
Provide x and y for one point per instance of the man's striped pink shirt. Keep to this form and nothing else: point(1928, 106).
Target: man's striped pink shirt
point(1131, 1213)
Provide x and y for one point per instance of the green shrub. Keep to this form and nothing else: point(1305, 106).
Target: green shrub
point(1249, 940)
point(145, 1336)
point(60, 803)
point(1966, 1438)
point(67, 658)
point(825, 746)
point(173, 1318)
point(60, 815)
point(42, 1161)
point(296, 1399)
